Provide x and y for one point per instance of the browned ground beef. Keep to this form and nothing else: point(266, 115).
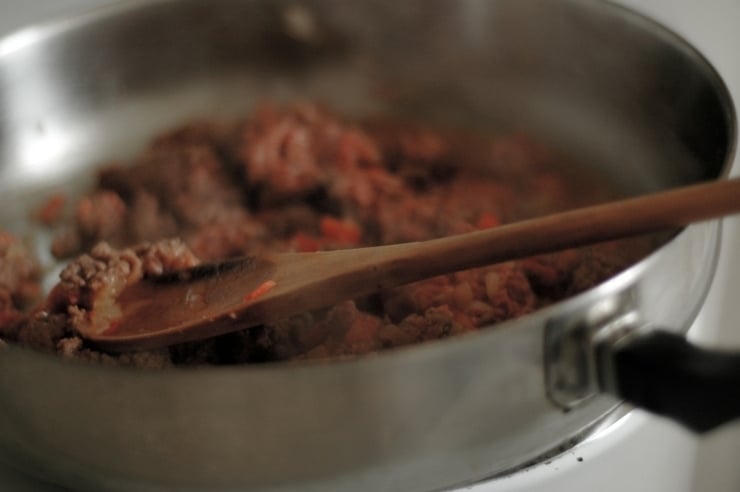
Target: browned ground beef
point(301, 178)
point(19, 283)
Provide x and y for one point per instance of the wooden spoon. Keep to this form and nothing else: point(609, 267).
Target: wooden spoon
point(219, 298)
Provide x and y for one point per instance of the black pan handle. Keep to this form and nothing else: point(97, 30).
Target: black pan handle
point(665, 374)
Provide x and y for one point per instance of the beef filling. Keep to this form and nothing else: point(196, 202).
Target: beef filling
point(302, 178)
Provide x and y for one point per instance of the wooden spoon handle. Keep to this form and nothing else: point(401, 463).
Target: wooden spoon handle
point(306, 281)
point(631, 217)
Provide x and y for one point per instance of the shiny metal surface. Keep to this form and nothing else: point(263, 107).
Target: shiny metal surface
point(616, 89)
point(572, 370)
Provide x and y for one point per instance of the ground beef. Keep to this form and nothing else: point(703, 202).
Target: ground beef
point(90, 284)
point(303, 178)
point(19, 274)
point(84, 301)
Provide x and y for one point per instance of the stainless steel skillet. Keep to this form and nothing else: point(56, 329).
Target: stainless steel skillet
point(621, 92)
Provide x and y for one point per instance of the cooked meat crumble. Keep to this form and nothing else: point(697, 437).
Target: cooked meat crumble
point(302, 178)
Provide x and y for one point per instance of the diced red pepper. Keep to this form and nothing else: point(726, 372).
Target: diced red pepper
point(345, 232)
point(261, 290)
point(51, 210)
point(488, 220)
point(303, 243)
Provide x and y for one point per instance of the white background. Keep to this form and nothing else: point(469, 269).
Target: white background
point(714, 27)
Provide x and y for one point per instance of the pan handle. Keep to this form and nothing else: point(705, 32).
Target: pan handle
point(667, 375)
